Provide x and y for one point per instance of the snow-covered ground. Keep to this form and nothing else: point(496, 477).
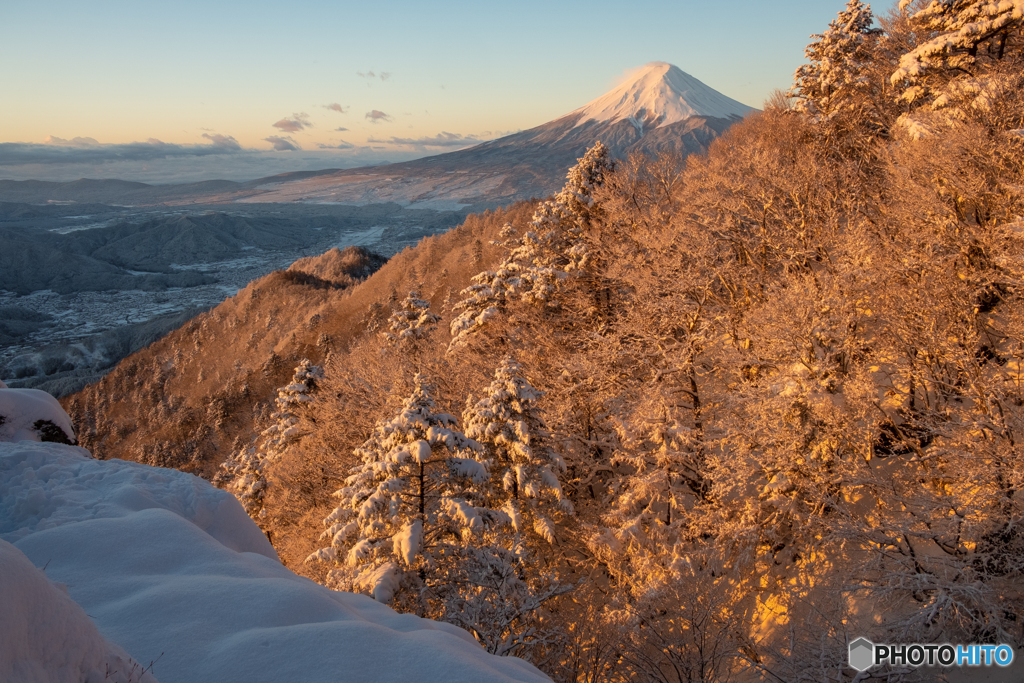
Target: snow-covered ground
point(45, 637)
point(172, 570)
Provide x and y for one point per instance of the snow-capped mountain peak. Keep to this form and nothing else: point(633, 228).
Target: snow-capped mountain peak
point(659, 94)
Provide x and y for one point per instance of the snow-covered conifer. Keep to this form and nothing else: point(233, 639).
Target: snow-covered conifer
point(554, 248)
point(834, 81)
point(524, 490)
point(524, 469)
point(411, 322)
point(411, 504)
point(577, 195)
point(965, 34)
point(424, 523)
point(245, 472)
point(290, 399)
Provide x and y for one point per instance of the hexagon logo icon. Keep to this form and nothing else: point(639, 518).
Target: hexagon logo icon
point(861, 654)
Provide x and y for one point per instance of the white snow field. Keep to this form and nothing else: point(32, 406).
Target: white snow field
point(172, 570)
point(45, 637)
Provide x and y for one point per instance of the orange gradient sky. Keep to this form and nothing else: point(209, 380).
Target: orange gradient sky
point(261, 76)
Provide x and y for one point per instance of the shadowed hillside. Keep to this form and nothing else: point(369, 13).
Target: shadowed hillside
point(190, 398)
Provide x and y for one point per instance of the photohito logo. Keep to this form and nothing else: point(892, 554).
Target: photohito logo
point(864, 654)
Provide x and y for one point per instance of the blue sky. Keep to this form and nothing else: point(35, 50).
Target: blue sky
point(201, 74)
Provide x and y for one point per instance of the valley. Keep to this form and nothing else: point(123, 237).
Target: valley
point(84, 285)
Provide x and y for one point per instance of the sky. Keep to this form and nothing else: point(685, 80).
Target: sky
point(193, 90)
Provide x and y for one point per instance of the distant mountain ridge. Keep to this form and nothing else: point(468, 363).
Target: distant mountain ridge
point(658, 108)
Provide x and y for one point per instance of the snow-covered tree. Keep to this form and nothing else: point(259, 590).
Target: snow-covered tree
point(509, 583)
point(245, 473)
point(425, 523)
point(554, 248)
point(524, 468)
point(835, 80)
point(496, 591)
point(408, 509)
point(412, 321)
point(291, 398)
point(965, 36)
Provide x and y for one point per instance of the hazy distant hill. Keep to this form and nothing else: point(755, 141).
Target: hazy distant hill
point(108, 191)
point(32, 261)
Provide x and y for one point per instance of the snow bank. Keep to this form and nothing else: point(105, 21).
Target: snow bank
point(170, 567)
point(22, 409)
point(45, 637)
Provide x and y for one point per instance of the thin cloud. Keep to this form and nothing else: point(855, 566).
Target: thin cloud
point(340, 130)
point(85, 150)
point(73, 142)
point(443, 139)
point(376, 116)
point(370, 75)
point(385, 75)
point(336, 107)
point(341, 145)
point(283, 144)
point(294, 124)
point(225, 142)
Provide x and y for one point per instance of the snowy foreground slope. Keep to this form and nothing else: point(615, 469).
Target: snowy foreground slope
point(171, 569)
point(45, 636)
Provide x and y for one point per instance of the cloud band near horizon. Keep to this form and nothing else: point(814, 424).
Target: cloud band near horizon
point(89, 151)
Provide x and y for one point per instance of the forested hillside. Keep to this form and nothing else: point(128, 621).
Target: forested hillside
point(191, 398)
point(689, 421)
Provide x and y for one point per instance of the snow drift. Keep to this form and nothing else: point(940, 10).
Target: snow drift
point(45, 637)
point(171, 569)
point(32, 415)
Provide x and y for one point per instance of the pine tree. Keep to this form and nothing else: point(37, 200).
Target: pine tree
point(412, 322)
point(507, 421)
point(244, 474)
point(424, 523)
point(406, 511)
point(835, 81)
point(553, 249)
point(506, 575)
point(966, 36)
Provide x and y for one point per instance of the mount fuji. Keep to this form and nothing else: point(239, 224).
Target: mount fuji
point(657, 95)
point(658, 108)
